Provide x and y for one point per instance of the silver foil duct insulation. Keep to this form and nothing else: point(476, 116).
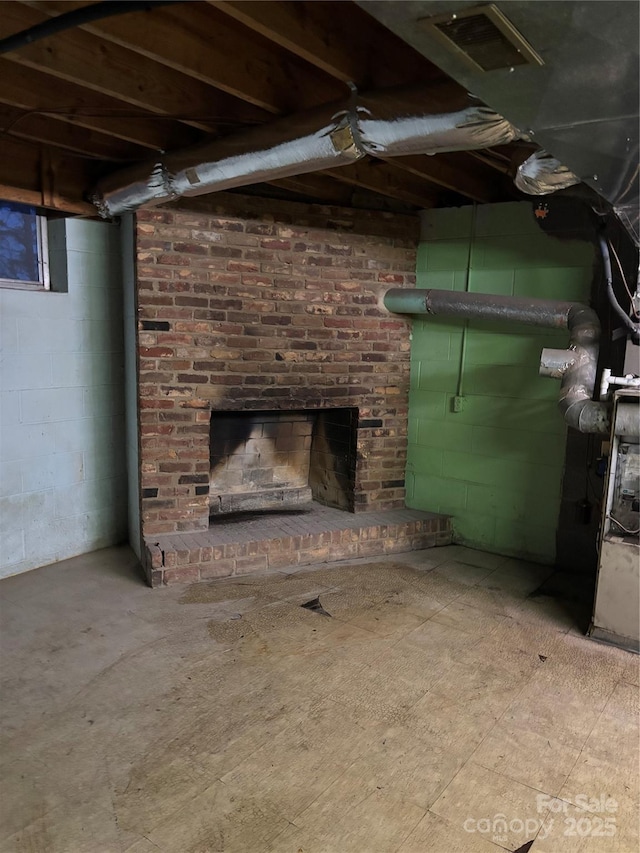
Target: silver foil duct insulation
point(542, 174)
point(389, 125)
point(386, 125)
point(319, 139)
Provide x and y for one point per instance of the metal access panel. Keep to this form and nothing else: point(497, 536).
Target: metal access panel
point(616, 614)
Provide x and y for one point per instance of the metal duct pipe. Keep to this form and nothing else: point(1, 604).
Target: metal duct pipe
point(318, 139)
point(480, 306)
point(395, 123)
point(576, 366)
point(541, 174)
point(388, 124)
point(579, 377)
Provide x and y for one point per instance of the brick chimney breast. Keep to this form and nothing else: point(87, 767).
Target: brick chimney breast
point(253, 305)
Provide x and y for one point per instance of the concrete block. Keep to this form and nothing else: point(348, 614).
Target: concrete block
point(10, 478)
point(24, 371)
point(44, 335)
point(51, 404)
point(12, 550)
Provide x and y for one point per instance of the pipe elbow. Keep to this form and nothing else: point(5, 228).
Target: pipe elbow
point(584, 326)
point(586, 416)
point(582, 315)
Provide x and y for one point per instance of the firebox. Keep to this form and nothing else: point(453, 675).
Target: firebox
point(276, 459)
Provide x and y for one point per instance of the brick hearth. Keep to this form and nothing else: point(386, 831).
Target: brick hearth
point(249, 305)
point(279, 541)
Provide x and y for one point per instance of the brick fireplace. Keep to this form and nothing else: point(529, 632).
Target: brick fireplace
point(267, 460)
point(270, 375)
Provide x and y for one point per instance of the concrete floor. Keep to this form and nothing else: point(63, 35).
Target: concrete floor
point(442, 708)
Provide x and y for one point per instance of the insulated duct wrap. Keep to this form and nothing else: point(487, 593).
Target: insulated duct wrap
point(319, 139)
point(391, 124)
point(542, 174)
point(132, 190)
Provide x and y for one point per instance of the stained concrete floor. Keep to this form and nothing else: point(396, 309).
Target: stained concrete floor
point(443, 707)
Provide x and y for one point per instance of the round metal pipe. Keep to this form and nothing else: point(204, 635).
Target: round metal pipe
point(576, 367)
point(402, 301)
point(628, 419)
point(555, 362)
point(480, 306)
point(591, 417)
point(579, 379)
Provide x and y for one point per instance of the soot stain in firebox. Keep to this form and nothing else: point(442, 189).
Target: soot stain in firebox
point(230, 430)
point(251, 515)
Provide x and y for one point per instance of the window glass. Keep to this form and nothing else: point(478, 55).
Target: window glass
point(19, 243)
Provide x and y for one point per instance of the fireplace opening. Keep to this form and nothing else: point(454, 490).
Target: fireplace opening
point(282, 460)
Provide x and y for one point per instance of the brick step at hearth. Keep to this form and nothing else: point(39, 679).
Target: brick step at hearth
point(256, 542)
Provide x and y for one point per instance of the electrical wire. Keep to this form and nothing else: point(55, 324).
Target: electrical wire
point(465, 328)
point(622, 314)
point(631, 182)
point(76, 18)
point(622, 527)
point(624, 280)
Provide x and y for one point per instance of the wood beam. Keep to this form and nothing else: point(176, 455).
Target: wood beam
point(385, 179)
point(451, 173)
point(52, 131)
point(506, 158)
point(39, 92)
point(30, 175)
point(318, 188)
point(342, 41)
point(112, 70)
point(321, 189)
point(196, 40)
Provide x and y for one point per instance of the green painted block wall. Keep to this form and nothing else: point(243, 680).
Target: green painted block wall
point(497, 465)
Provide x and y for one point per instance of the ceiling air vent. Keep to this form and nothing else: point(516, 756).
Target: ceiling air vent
point(483, 37)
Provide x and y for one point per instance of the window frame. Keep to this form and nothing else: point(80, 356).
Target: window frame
point(42, 247)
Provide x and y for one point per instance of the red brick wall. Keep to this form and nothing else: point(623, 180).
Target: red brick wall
point(253, 304)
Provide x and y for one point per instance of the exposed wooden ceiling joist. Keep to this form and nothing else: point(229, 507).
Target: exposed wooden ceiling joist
point(215, 51)
point(387, 180)
point(30, 174)
point(123, 74)
point(60, 134)
point(317, 187)
point(338, 40)
point(116, 89)
point(326, 190)
point(452, 173)
point(39, 92)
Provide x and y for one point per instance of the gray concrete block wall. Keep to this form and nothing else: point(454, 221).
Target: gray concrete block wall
point(62, 465)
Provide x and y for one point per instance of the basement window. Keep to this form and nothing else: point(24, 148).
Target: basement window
point(24, 250)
